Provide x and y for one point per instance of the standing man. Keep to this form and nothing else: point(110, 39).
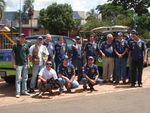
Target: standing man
point(121, 55)
point(138, 55)
point(47, 40)
point(60, 50)
point(90, 49)
point(67, 72)
point(20, 53)
point(107, 52)
point(50, 48)
point(90, 74)
point(38, 54)
point(77, 57)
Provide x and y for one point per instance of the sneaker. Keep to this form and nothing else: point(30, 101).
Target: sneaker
point(26, 93)
point(17, 96)
point(31, 91)
point(84, 88)
point(40, 94)
point(92, 88)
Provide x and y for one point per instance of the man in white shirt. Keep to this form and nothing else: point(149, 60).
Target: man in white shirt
point(38, 54)
point(48, 79)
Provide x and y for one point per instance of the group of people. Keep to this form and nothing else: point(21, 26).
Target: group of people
point(69, 68)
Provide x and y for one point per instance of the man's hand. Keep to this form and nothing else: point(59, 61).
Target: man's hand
point(14, 66)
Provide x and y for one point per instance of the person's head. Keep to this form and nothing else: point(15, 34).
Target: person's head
point(90, 60)
point(48, 64)
point(48, 38)
point(22, 38)
point(110, 38)
point(120, 35)
point(65, 60)
point(60, 40)
point(78, 39)
point(134, 35)
point(92, 38)
point(39, 40)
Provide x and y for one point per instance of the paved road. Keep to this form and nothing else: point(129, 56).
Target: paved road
point(132, 101)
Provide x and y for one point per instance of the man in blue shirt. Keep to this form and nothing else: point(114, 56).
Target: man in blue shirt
point(90, 74)
point(60, 50)
point(120, 49)
point(66, 71)
point(90, 48)
point(77, 57)
point(107, 52)
point(138, 55)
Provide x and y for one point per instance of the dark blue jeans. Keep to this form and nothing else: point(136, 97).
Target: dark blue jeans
point(120, 69)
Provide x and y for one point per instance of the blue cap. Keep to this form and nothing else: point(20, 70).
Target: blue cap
point(65, 57)
point(133, 31)
point(120, 34)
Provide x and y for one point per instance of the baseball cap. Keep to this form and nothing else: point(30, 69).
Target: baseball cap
point(133, 31)
point(22, 35)
point(77, 38)
point(40, 37)
point(65, 57)
point(90, 57)
point(120, 34)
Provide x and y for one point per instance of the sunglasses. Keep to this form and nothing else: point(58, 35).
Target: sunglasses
point(48, 64)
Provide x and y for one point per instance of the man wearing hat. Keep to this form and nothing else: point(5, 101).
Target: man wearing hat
point(90, 74)
point(77, 57)
point(66, 71)
point(38, 54)
point(120, 49)
point(138, 56)
point(20, 53)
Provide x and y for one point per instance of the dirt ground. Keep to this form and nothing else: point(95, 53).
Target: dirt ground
point(7, 92)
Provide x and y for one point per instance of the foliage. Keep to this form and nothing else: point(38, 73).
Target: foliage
point(2, 7)
point(57, 18)
point(139, 6)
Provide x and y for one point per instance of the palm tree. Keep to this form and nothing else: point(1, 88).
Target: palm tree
point(91, 15)
point(2, 7)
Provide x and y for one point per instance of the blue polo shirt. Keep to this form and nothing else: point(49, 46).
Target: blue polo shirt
point(90, 49)
point(60, 51)
point(68, 71)
point(107, 49)
point(90, 71)
point(137, 49)
point(76, 52)
point(120, 47)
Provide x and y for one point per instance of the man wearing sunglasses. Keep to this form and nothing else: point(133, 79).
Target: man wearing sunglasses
point(48, 78)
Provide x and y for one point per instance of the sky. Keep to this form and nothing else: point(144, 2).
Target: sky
point(77, 5)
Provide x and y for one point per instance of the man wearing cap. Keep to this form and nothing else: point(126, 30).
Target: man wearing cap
point(20, 53)
point(66, 71)
point(120, 49)
point(38, 54)
point(90, 74)
point(77, 57)
point(138, 56)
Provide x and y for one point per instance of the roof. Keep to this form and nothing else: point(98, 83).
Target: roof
point(115, 28)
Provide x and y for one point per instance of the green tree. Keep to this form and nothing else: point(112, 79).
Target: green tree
point(91, 15)
point(140, 6)
point(57, 18)
point(2, 7)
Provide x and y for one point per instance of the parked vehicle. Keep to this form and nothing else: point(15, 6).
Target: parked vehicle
point(7, 72)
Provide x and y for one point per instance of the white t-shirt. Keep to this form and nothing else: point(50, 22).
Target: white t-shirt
point(39, 53)
point(48, 74)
